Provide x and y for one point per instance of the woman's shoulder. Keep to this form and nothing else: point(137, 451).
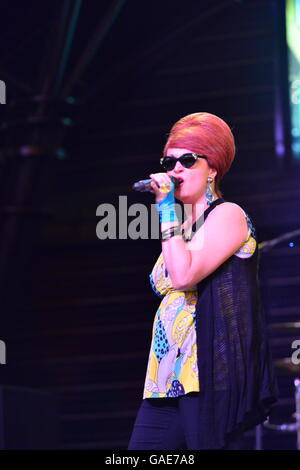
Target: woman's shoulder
point(229, 207)
point(230, 214)
point(236, 208)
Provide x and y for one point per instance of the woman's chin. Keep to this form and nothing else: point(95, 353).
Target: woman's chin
point(187, 198)
point(184, 198)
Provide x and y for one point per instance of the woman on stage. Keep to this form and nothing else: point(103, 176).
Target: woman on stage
point(210, 375)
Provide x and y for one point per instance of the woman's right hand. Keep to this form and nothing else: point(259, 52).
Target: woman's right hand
point(161, 185)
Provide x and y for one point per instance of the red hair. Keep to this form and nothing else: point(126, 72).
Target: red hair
point(208, 135)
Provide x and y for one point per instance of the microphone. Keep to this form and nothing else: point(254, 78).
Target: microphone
point(144, 185)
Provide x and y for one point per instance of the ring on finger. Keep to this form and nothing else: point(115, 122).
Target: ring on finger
point(165, 187)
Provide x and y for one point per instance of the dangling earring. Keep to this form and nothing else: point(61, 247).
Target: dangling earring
point(209, 191)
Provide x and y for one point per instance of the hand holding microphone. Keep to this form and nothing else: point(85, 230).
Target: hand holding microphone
point(163, 186)
point(145, 185)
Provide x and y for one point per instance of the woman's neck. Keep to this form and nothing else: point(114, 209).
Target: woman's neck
point(200, 206)
point(195, 211)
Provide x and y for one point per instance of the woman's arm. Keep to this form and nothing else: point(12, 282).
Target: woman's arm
point(223, 232)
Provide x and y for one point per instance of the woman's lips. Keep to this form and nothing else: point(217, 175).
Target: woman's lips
point(180, 181)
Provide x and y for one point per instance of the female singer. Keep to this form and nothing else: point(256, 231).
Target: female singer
point(210, 375)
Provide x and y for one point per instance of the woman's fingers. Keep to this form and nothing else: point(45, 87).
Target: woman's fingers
point(154, 183)
point(161, 184)
point(154, 187)
point(161, 179)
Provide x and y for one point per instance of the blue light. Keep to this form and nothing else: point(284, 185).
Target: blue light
point(61, 153)
point(291, 244)
point(297, 8)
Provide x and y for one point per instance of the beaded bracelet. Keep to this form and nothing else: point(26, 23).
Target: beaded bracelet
point(171, 232)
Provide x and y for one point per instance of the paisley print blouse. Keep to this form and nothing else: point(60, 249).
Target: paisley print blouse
point(172, 366)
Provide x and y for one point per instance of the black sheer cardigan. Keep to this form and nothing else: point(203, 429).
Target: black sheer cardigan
point(236, 374)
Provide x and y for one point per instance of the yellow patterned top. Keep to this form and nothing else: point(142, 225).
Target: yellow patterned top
point(172, 366)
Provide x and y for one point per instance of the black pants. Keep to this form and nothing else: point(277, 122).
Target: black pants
point(170, 424)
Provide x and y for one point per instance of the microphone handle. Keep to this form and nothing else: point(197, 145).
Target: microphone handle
point(144, 185)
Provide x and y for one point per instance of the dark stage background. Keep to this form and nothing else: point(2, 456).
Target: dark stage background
point(93, 88)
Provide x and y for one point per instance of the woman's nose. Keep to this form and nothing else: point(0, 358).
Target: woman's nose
point(178, 166)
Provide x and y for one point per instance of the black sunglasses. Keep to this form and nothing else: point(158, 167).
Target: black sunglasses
point(187, 160)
